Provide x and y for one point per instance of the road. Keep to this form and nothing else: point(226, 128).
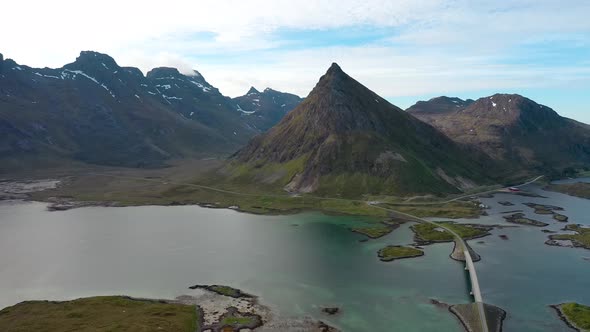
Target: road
point(472, 194)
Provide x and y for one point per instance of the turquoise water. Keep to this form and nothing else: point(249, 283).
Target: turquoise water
point(297, 263)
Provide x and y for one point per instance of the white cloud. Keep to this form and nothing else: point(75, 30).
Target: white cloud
point(389, 73)
point(434, 46)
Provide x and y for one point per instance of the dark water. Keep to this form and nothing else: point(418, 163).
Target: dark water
point(160, 251)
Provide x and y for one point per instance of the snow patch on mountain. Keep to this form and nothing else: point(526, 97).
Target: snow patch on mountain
point(67, 72)
point(243, 111)
point(204, 88)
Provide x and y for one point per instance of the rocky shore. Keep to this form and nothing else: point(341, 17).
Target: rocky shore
point(226, 307)
point(21, 190)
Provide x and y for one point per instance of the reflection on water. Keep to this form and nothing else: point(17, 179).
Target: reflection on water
point(295, 263)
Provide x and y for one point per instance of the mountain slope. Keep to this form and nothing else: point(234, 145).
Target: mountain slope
point(344, 139)
point(514, 129)
point(265, 109)
point(93, 110)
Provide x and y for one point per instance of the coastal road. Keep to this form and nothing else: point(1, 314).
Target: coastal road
point(472, 194)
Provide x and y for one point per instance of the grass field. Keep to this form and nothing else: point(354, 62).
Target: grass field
point(374, 232)
point(182, 184)
point(432, 233)
point(98, 314)
point(577, 314)
point(391, 253)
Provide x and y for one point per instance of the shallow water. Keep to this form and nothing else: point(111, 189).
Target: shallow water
point(295, 263)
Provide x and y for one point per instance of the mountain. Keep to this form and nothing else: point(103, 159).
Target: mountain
point(513, 129)
point(344, 139)
point(95, 111)
point(436, 106)
point(265, 109)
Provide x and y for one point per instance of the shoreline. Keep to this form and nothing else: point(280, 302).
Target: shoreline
point(214, 311)
point(563, 317)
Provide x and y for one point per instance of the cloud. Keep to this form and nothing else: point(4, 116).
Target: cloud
point(422, 47)
point(389, 72)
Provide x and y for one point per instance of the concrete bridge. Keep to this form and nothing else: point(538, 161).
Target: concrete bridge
point(477, 316)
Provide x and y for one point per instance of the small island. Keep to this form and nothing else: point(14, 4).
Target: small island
point(391, 253)
point(374, 232)
point(430, 233)
point(560, 217)
point(381, 229)
point(519, 218)
point(575, 315)
point(223, 290)
point(578, 189)
point(543, 209)
point(581, 239)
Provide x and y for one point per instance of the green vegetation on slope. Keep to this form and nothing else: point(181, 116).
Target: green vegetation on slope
point(97, 314)
point(391, 253)
point(576, 314)
point(431, 233)
point(177, 186)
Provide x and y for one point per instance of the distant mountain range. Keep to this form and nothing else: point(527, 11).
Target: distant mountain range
point(527, 137)
point(265, 109)
point(344, 139)
point(95, 111)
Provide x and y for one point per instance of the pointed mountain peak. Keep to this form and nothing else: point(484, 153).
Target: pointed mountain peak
point(334, 77)
point(252, 91)
point(344, 128)
point(334, 72)
point(335, 68)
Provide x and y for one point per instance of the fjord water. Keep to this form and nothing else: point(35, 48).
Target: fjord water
point(296, 264)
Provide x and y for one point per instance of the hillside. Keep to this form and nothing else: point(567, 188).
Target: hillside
point(516, 130)
point(344, 139)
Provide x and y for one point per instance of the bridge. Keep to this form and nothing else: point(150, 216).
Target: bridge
point(477, 316)
point(473, 323)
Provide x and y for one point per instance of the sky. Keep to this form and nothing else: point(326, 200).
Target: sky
point(404, 50)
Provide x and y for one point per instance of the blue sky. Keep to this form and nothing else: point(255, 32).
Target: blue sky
point(404, 50)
